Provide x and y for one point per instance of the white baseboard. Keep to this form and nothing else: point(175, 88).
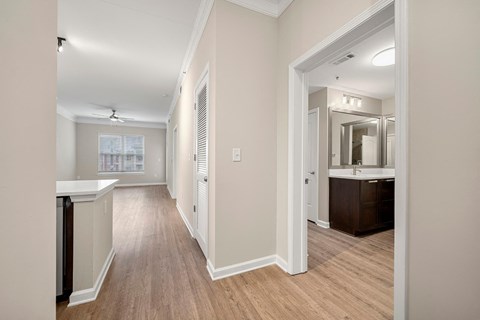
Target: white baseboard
point(282, 263)
point(185, 220)
point(141, 184)
point(323, 224)
point(246, 266)
point(88, 295)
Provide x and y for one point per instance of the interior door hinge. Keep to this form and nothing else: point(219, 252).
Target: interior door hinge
point(194, 157)
point(194, 106)
point(194, 208)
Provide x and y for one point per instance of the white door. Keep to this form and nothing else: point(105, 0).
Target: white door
point(369, 150)
point(311, 188)
point(174, 163)
point(201, 165)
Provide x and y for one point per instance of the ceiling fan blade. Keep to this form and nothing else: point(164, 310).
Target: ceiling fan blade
point(123, 118)
point(99, 115)
point(120, 120)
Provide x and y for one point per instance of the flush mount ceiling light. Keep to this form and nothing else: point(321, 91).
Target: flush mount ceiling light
point(384, 58)
point(60, 44)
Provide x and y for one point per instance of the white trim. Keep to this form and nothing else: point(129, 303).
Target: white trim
point(174, 162)
point(401, 161)
point(267, 7)
point(323, 224)
point(88, 295)
point(238, 268)
point(282, 263)
point(65, 113)
point(142, 184)
point(185, 220)
point(128, 123)
point(200, 24)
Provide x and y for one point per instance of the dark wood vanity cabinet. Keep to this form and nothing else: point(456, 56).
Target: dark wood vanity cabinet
point(362, 206)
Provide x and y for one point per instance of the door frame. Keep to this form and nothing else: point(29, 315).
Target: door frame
point(355, 30)
point(174, 161)
point(317, 119)
point(203, 78)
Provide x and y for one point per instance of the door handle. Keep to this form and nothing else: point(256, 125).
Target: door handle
point(205, 179)
point(306, 180)
point(312, 172)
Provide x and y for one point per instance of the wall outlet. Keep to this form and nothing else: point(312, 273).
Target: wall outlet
point(236, 155)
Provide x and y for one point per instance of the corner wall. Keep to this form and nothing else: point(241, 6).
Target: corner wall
point(28, 80)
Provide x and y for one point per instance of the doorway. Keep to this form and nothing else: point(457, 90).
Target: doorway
point(311, 192)
point(376, 17)
point(200, 185)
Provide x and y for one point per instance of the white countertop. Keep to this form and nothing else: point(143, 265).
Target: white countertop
point(84, 190)
point(366, 174)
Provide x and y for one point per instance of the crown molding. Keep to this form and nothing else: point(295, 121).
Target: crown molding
point(199, 26)
point(272, 8)
point(65, 113)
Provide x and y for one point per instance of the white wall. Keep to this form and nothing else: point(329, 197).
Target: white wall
point(87, 153)
point(444, 157)
point(28, 30)
point(66, 149)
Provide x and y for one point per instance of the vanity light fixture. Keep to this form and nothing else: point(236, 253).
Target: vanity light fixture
point(352, 100)
point(60, 44)
point(384, 58)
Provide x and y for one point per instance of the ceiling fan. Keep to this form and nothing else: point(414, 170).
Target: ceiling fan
point(113, 117)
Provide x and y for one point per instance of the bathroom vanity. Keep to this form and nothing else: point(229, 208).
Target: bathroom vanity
point(361, 204)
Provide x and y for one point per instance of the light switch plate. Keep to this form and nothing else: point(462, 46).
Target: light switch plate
point(236, 155)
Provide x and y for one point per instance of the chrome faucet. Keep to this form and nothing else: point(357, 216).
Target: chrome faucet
point(355, 167)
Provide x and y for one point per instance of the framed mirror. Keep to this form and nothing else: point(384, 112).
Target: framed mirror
point(354, 139)
point(389, 142)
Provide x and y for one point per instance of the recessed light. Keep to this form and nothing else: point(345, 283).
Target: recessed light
point(384, 58)
point(164, 95)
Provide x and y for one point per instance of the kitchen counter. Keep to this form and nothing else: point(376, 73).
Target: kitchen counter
point(84, 190)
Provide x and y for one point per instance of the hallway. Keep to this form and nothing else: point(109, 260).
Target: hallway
point(159, 272)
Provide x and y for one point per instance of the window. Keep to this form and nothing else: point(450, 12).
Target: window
point(121, 153)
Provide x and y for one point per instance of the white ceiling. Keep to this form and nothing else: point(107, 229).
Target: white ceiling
point(358, 75)
point(273, 8)
point(126, 54)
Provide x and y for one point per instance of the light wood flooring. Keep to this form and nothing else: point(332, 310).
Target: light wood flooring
point(159, 273)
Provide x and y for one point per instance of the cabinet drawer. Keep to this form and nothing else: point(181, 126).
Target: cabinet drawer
point(369, 191)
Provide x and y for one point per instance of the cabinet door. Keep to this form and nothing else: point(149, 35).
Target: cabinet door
point(369, 192)
point(386, 212)
point(368, 218)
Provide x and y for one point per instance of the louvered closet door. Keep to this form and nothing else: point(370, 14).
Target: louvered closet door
point(202, 166)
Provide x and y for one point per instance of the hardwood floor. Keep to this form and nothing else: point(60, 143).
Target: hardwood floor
point(159, 273)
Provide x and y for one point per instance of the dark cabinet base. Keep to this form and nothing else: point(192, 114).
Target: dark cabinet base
point(361, 207)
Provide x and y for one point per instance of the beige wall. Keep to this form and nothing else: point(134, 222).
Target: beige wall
point(388, 106)
point(66, 149)
point(245, 109)
point(28, 30)
point(304, 24)
point(182, 118)
point(241, 111)
point(87, 153)
point(444, 214)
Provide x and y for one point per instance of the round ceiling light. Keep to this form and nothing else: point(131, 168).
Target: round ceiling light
point(384, 58)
